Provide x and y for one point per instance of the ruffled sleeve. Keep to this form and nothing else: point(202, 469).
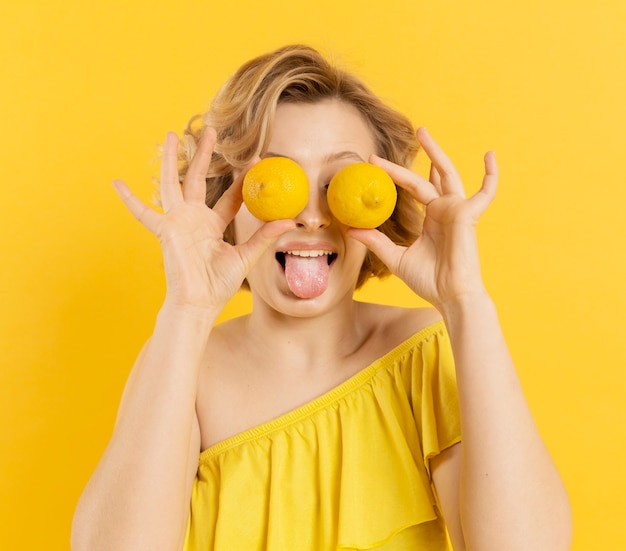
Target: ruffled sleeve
point(434, 396)
point(349, 470)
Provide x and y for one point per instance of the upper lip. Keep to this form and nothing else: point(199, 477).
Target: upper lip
point(322, 246)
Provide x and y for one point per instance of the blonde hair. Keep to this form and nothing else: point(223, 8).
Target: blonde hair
point(243, 111)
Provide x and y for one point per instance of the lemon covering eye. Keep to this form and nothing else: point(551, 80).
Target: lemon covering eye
point(275, 188)
point(362, 195)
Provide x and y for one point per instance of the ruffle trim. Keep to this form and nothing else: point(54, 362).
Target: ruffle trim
point(346, 471)
point(388, 360)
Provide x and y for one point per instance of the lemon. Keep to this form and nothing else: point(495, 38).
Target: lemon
point(275, 188)
point(362, 195)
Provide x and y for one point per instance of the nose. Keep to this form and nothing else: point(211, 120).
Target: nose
point(316, 214)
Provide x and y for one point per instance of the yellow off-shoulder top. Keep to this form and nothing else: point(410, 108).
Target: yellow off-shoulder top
point(349, 470)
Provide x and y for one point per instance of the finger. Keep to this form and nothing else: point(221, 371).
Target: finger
point(450, 179)
point(490, 181)
point(435, 179)
point(262, 239)
point(142, 212)
point(383, 247)
point(483, 198)
point(419, 188)
point(229, 203)
point(194, 186)
point(169, 185)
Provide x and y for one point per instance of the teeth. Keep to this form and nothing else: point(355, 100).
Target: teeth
point(309, 254)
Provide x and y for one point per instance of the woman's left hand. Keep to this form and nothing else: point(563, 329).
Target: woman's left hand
point(442, 265)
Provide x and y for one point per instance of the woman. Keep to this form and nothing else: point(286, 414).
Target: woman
point(320, 422)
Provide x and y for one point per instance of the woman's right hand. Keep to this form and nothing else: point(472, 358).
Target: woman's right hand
point(202, 270)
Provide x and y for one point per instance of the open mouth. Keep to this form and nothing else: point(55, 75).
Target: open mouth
point(307, 271)
point(330, 256)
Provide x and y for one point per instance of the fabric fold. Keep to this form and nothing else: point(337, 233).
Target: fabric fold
point(349, 470)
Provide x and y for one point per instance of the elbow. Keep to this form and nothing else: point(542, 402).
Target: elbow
point(566, 527)
point(553, 527)
point(95, 529)
point(87, 532)
point(555, 530)
point(79, 540)
point(560, 520)
point(81, 536)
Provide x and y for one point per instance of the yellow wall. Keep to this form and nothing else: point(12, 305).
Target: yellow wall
point(88, 89)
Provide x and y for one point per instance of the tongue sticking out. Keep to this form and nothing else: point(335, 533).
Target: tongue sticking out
point(307, 277)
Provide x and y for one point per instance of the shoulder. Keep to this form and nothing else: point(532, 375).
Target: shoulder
point(227, 328)
point(223, 344)
point(392, 325)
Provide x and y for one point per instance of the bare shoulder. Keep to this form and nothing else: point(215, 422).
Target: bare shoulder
point(393, 324)
point(225, 338)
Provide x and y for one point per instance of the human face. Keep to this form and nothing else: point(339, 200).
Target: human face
point(322, 138)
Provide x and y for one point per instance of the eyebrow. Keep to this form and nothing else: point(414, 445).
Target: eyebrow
point(340, 155)
point(331, 157)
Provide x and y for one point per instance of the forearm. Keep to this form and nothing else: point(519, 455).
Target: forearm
point(136, 497)
point(511, 495)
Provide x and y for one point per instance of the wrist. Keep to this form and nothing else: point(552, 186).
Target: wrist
point(181, 312)
point(466, 304)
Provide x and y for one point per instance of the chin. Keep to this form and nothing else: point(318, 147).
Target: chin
point(285, 303)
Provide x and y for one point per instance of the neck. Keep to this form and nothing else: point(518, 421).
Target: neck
point(310, 342)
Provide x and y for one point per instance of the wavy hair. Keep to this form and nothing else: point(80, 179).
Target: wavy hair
point(242, 114)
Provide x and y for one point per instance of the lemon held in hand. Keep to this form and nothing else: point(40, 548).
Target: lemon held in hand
point(275, 188)
point(362, 195)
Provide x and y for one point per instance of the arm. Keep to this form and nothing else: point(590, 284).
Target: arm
point(499, 489)
point(138, 497)
point(511, 495)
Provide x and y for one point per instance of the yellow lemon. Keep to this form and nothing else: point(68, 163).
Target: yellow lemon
point(362, 195)
point(275, 188)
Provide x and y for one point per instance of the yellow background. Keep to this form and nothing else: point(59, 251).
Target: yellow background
point(89, 88)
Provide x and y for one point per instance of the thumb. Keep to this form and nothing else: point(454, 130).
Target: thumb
point(262, 239)
point(383, 247)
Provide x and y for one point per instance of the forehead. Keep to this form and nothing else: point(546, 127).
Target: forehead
point(312, 131)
